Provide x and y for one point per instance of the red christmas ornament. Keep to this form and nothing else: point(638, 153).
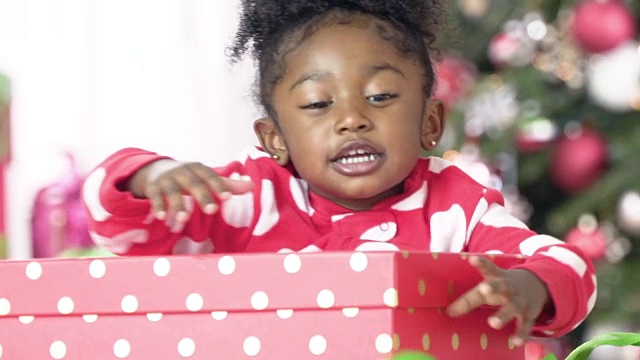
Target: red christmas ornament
point(593, 243)
point(455, 76)
point(601, 25)
point(579, 160)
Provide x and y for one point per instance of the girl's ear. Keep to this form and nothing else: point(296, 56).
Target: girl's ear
point(271, 139)
point(432, 124)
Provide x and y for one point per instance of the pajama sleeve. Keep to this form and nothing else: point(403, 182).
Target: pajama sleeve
point(124, 225)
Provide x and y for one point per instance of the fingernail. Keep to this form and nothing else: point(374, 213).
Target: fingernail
point(517, 341)
point(495, 323)
point(484, 288)
point(182, 216)
point(161, 215)
point(210, 209)
point(225, 195)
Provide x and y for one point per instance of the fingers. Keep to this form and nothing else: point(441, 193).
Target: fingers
point(207, 183)
point(166, 191)
point(203, 184)
point(237, 187)
point(504, 315)
point(154, 194)
point(222, 187)
point(523, 330)
point(472, 299)
point(511, 308)
point(488, 292)
point(486, 268)
point(167, 203)
point(513, 290)
point(514, 310)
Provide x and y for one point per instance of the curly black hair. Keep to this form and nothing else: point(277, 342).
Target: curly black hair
point(269, 29)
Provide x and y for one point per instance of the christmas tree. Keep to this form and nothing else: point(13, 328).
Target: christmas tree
point(543, 102)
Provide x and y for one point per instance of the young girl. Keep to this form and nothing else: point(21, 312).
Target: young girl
point(346, 87)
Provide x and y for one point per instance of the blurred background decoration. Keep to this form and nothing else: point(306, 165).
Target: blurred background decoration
point(91, 77)
point(544, 103)
point(5, 146)
point(59, 226)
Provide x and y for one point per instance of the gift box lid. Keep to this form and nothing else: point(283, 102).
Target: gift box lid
point(240, 283)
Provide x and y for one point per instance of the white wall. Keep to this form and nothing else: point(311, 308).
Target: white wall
point(93, 76)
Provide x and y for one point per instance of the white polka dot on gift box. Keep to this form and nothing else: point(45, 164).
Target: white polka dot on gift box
point(251, 346)
point(122, 349)
point(58, 350)
point(5, 307)
point(317, 345)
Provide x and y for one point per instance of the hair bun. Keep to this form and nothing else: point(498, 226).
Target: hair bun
point(261, 19)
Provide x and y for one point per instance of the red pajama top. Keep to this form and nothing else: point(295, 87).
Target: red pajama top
point(441, 210)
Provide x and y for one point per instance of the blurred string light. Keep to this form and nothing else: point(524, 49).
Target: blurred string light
point(635, 102)
point(495, 81)
point(558, 57)
point(492, 111)
point(471, 161)
point(474, 9)
point(536, 27)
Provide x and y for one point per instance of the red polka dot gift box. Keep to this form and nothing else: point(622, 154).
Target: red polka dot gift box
point(342, 305)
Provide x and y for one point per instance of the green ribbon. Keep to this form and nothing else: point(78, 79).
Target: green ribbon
point(412, 355)
point(582, 352)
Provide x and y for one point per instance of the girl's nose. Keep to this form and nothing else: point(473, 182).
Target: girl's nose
point(352, 119)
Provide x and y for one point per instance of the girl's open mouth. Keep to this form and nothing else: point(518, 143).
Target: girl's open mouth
point(357, 158)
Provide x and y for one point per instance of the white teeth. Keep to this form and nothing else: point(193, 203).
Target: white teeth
point(356, 152)
point(357, 160)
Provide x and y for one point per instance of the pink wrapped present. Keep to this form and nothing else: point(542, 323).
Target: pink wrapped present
point(340, 305)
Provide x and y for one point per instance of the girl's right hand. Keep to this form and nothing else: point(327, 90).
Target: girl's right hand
point(164, 182)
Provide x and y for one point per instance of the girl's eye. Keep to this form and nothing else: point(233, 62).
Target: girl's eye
point(317, 105)
point(381, 97)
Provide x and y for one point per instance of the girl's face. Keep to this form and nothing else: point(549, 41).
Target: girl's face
point(352, 115)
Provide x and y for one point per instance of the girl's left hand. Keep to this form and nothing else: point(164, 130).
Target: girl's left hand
point(519, 293)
